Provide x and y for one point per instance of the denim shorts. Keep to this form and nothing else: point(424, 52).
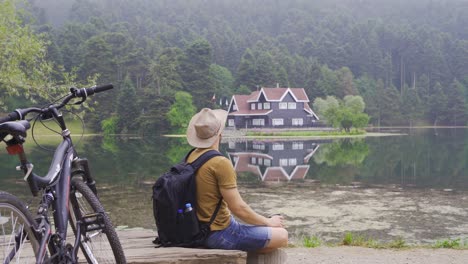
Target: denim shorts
point(240, 237)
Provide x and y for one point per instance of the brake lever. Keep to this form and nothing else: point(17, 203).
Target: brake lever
point(80, 102)
point(74, 91)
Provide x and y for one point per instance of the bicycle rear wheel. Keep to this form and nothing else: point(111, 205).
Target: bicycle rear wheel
point(99, 242)
point(18, 243)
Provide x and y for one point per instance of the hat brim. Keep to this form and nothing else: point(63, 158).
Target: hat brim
point(194, 141)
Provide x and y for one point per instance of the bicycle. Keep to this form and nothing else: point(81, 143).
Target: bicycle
point(68, 194)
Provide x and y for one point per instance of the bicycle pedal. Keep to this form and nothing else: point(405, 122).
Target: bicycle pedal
point(93, 221)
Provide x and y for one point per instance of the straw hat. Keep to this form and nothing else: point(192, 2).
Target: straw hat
point(205, 126)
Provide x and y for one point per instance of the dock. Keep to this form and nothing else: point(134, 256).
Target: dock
point(138, 247)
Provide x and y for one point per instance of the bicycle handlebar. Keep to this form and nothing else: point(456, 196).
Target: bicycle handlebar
point(19, 114)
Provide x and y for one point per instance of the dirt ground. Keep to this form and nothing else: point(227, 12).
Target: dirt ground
point(359, 255)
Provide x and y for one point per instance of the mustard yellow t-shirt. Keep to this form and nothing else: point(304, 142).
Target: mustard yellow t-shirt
point(215, 173)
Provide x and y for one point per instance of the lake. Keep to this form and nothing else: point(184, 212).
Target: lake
point(412, 186)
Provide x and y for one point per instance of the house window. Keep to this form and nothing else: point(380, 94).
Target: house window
point(258, 122)
point(292, 162)
point(267, 162)
point(252, 106)
point(278, 121)
point(253, 160)
point(292, 105)
point(283, 162)
point(234, 107)
point(260, 161)
point(232, 144)
point(231, 122)
point(283, 105)
point(258, 146)
point(298, 145)
point(277, 146)
point(266, 106)
point(260, 106)
point(297, 121)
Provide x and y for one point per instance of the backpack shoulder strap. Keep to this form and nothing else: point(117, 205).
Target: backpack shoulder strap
point(213, 216)
point(188, 154)
point(204, 158)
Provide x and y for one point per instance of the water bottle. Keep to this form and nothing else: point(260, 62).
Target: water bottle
point(191, 220)
point(188, 207)
point(180, 216)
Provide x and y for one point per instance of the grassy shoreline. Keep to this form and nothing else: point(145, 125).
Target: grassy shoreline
point(356, 240)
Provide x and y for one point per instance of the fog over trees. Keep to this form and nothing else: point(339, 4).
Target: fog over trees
point(408, 60)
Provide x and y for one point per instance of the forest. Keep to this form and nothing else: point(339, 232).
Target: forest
point(408, 60)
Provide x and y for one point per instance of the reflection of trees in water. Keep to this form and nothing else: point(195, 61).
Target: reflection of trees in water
point(339, 162)
point(419, 159)
point(343, 152)
point(177, 150)
point(129, 160)
point(248, 177)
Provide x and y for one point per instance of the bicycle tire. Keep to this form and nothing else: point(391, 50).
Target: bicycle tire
point(17, 227)
point(99, 246)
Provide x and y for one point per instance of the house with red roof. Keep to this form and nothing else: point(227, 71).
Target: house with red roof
point(271, 108)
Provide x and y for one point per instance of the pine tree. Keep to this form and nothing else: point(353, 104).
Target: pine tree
point(456, 105)
point(195, 72)
point(126, 108)
point(437, 104)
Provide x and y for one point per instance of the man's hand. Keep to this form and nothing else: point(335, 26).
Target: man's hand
point(276, 221)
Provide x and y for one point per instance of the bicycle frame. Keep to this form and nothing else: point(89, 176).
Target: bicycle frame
point(56, 186)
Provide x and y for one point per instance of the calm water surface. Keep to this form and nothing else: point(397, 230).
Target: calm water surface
point(412, 186)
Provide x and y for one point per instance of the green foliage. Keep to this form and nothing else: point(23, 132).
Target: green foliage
point(449, 243)
point(177, 150)
point(410, 106)
point(22, 53)
point(399, 242)
point(437, 104)
point(457, 110)
point(243, 90)
point(343, 152)
point(164, 72)
point(351, 239)
point(223, 80)
point(354, 103)
point(181, 112)
point(109, 125)
point(153, 120)
point(311, 242)
point(343, 114)
point(246, 71)
point(328, 83)
point(195, 72)
point(126, 107)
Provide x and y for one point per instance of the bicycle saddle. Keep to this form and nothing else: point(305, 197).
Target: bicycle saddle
point(16, 128)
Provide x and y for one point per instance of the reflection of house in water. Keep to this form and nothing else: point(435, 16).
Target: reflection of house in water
point(273, 160)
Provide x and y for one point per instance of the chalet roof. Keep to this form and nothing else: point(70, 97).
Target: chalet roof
point(241, 101)
point(277, 94)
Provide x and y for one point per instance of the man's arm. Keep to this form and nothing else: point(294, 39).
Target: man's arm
point(243, 211)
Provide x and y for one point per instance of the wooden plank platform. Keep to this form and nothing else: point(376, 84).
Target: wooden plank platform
point(138, 248)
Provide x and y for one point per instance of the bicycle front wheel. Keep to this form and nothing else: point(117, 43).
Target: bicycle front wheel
point(18, 243)
point(99, 241)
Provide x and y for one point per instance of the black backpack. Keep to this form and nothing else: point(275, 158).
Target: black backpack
point(174, 205)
